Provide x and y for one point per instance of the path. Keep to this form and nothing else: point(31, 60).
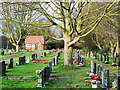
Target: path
point(5, 58)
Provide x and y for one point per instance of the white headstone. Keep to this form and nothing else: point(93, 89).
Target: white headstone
point(91, 54)
point(103, 78)
point(55, 60)
point(92, 66)
point(28, 60)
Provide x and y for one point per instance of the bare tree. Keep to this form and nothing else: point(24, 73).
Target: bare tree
point(75, 20)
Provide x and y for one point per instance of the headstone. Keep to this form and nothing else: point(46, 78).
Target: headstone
point(95, 68)
point(45, 73)
point(39, 55)
point(104, 57)
point(101, 57)
point(116, 81)
point(107, 62)
point(2, 52)
point(101, 66)
point(50, 67)
point(9, 52)
point(97, 57)
point(24, 59)
point(91, 54)
point(43, 77)
point(11, 63)
point(55, 60)
point(78, 57)
point(105, 79)
point(2, 68)
point(20, 60)
point(91, 66)
point(114, 62)
point(98, 69)
point(33, 56)
point(36, 55)
point(28, 60)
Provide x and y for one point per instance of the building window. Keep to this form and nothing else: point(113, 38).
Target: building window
point(30, 45)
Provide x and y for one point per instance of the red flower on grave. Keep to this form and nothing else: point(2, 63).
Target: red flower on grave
point(95, 78)
point(52, 59)
point(79, 61)
point(45, 62)
point(89, 71)
point(8, 64)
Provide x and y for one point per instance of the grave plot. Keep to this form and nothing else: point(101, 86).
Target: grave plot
point(25, 73)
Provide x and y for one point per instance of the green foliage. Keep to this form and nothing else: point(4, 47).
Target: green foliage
point(48, 47)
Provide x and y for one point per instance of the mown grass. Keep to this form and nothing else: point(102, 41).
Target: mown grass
point(63, 77)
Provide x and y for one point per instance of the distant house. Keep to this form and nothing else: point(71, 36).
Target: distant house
point(35, 43)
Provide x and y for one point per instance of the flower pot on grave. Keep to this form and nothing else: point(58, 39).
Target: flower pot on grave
point(94, 84)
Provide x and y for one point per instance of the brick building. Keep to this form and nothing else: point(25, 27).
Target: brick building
point(35, 43)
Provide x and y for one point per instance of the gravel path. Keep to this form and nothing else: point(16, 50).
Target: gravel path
point(5, 58)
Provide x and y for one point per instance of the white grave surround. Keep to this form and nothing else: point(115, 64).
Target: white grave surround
point(94, 85)
point(28, 60)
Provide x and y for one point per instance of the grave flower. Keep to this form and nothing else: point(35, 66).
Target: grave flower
point(8, 64)
point(38, 71)
point(89, 71)
point(45, 62)
point(93, 75)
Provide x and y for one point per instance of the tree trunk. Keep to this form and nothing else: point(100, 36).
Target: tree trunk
point(17, 48)
point(67, 50)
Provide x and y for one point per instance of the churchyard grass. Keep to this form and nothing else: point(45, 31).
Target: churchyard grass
point(63, 77)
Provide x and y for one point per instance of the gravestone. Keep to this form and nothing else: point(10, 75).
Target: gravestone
point(95, 68)
point(91, 54)
point(28, 60)
point(55, 60)
point(101, 66)
point(24, 59)
point(107, 62)
point(39, 55)
point(44, 53)
point(11, 63)
point(50, 67)
point(114, 62)
point(43, 77)
point(9, 52)
point(33, 56)
point(78, 57)
point(104, 57)
point(2, 52)
point(45, 72)
point(36, 55)
point(92, 66)
point(20, 60)
point(98, 69)
point(2, 68)
point(97, 56)
point(101, 57)
point(41, 80)
point(116, 81)
point(105, 79)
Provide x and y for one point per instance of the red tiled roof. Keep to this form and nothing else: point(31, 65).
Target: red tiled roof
point(34, 39)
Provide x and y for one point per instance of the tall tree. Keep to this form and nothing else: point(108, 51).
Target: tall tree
point(73, 18)
point(13, 30)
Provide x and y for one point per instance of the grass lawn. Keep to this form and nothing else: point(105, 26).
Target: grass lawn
point(63, 77)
